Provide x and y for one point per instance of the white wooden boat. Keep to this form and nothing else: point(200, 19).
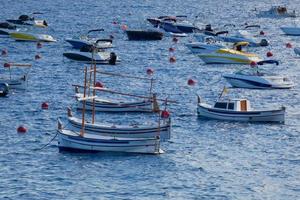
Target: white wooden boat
point(70, 140)
point(31, 37)
point(239, 110)
point(127, 131)
point(288, 30)
point(104, 105)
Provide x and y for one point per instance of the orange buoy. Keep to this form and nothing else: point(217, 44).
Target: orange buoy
point(172, 59)
point(4, 52)
point(124, 27)
point(165, 114)
point(261, 33)
point(171, 49)
point(150, 71)
point(38, 56)
point(45, 106)
point(191, 82)
point(21, 129)
point(99, 84)
point(175, 39)
point(253, 64)
point(288, 45)
point(39, 45)
point(269, 54)
point(7, 65)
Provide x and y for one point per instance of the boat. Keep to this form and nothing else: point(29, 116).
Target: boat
point(87, 39)
point(200, 47)
point(26, 20)
point(253, 78)
point(109, 58)
point(229, 56)
point(139, 34)
point(32, 37)
point(277, 12)
point(156, 21)
point(16, 83)
point(4, 89)
point(104, 105)
point(80, 141)
point(239, 110)
point(128, 131)
point(288, 30)
point(6, 28)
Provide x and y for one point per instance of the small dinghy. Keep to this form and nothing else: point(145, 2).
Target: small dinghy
point(26, 20)
point(31, 37)
point(127, 131)
point(16, 83)
point(253, 78)
point(108, 58)
point(4, 89)
point(277, 12)
point(87, 39)
point(294, 31)
point(239, 110)
point(138, 34)
point(80, 141)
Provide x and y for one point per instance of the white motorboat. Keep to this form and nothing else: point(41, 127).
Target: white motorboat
point(200, 47)
point(288, 30)
point(98, 57)
point(76, 141)
point(239, 110)
point(255, 78)
point(276, 12)
point(128, 131)
point(32, 37)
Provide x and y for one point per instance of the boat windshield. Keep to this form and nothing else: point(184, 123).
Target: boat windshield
point(224, 105)
point(253, 72)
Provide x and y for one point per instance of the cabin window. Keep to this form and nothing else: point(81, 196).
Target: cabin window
point(230, 106)
point(221, 105)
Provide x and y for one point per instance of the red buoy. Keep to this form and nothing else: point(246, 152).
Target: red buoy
point(172, 59)
point(7, 65)
point(37, 57)
point(261, 33)
point(99, 84)
point(150, 71)
point(288, 45)
point(45, 106)
point(39, 45)
point(191, 82)
point(175, 39)
point(171, 49)
point(4, 52)
point(269, 54)
point(253, 64)
point(124, 27)
point(21, 129)
point(165, 114)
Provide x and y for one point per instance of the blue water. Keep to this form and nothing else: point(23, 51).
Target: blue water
point(203, 160)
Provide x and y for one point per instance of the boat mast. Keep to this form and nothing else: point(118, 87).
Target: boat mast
point(84, 101)
point(94, 91)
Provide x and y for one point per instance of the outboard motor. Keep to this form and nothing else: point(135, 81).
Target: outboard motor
point(112, 59)
point(264, 43)
point(4, 88)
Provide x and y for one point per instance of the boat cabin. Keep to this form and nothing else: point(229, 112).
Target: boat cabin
point(234, 105)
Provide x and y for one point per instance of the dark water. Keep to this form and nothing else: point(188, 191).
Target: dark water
point(204, 159)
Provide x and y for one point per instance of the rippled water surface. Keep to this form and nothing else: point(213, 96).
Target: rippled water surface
point(203, 160)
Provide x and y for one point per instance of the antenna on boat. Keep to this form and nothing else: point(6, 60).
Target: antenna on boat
point(94, 91)
point(224, 91)
point(84, 102)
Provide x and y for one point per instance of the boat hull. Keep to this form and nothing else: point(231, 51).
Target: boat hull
point(294, 31)
point(86, 57)
point(19, 84)
point(144, 35)
point(18, 36)
point(215, 58)
point(277, 116)
point(254, 82)
point(70, 140)
point(164, 131)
